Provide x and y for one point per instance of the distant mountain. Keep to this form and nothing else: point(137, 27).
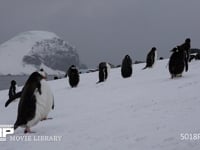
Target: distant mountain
point(32, 50)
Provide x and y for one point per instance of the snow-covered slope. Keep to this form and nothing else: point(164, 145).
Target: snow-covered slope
point(32, 50)
point(148, 111)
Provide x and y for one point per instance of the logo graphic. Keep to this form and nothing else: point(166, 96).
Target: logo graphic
point(5, 130)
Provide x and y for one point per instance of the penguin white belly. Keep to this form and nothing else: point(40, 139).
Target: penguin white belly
point(155, 58)
point(44, 103)
point(108, 67)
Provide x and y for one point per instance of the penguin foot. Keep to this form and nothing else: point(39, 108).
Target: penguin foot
point(28, 130)
point(176, 76)
point(179, 75)
point(46, 119)
point(100, 81)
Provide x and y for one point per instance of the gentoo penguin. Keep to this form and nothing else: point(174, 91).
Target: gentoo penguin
point(103, 71)
point(126, 68)
point(73, 75)
point(36, 100)
point(186, 48)
point(151, 58)
point(177, 62)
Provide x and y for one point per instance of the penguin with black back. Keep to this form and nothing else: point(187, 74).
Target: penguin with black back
point(12, 89)
point(126, 68)
point(36, 100)
point(151, 58)
point(177, 62)
point(103, 71)
point(186, 48)
point(73, 75)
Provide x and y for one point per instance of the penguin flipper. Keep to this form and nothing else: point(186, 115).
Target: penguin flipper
point(17, 95)
point(15, 126)
point(39, 88)
point(186, 64)
point(98, 82)
point(144, 68)
point(53, 105)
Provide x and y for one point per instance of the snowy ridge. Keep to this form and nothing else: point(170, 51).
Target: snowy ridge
point(30, 50)
point(12, 51)
point(148, 111)
point(54, 53)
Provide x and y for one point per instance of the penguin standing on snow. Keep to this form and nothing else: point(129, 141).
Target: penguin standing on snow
point(103, 71)
point(126, 68)
point(36, 100)
point(73, 75)
point(12, 89)
point(186, 48)
point(177, 62)
point(151, 58)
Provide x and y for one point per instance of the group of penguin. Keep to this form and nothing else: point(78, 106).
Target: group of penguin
point(36, 97)
point(178, 61)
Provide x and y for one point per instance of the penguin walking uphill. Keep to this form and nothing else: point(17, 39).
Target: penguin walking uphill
point(151, 58)
point(103, 71)
point(73, 75)
point(177, 62)
point(36, 100)
point(126, 68)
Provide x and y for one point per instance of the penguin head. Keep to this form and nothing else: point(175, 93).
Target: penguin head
point(102, 64)
point(187, 40)
point(43, 73)
point(127, 57)
point(13, 82)
point(73, 67)
point(153, 49)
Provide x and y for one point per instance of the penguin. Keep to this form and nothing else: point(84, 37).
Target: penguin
point(12, 89)
point(151, 58)
point(103, 71)
point(177, 62)
point(126, 68)
point(186, 48)
point(36, 100)
point(73, 75)
point(55, 77)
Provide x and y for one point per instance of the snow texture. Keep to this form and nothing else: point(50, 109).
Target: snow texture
point(148, 111)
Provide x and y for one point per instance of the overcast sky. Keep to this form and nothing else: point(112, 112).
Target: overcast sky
point(106, 30)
